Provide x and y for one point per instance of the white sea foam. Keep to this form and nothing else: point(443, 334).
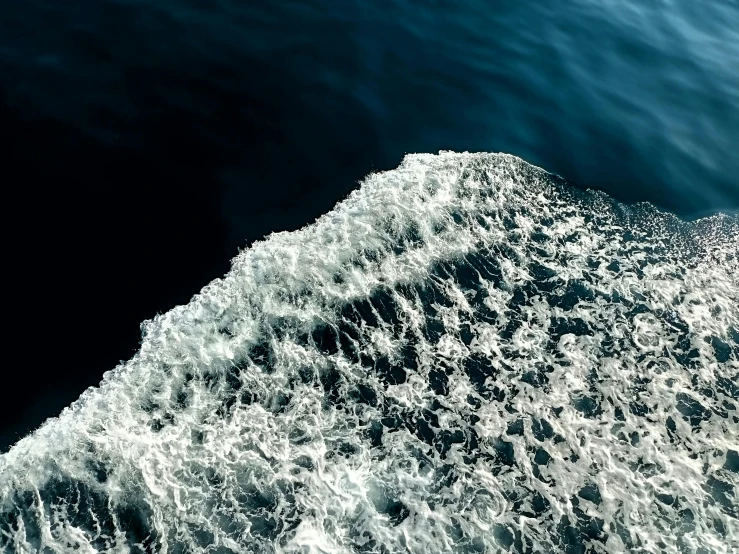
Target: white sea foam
point(465, 355)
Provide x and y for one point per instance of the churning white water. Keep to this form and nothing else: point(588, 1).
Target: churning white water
point(466, 355)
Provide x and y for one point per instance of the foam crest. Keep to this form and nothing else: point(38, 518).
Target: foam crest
point(465, 355)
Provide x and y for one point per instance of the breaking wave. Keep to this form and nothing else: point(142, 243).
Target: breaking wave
point(466, 355)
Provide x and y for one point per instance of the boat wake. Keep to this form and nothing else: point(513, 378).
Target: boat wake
point(466, 355)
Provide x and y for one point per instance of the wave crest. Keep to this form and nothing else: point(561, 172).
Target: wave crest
point(465, 355)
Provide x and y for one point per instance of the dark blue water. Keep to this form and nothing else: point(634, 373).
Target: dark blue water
point(145, 142)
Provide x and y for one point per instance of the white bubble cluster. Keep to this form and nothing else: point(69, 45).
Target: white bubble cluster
point(465, 355)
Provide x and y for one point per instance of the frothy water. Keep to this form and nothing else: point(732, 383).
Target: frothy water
point(465, 355)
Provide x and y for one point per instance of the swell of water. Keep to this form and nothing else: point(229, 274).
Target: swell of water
point(465, 355)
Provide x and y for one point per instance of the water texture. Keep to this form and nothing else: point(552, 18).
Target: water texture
point(467, 354)
point(144, 143)
point(635, 98)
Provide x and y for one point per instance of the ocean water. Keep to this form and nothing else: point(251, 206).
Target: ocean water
point(635, 98)
point(145, 143)
point(466, 354)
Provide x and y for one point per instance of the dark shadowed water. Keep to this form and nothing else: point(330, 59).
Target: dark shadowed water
point(145, 142)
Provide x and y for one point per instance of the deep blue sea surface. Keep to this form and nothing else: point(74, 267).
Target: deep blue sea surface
point(635, 98)
point(469, 354)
